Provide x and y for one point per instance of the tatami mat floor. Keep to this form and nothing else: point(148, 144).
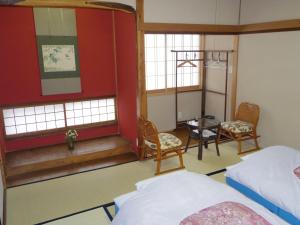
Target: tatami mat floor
point(43, 201)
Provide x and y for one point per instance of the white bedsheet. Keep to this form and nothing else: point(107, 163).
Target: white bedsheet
point(269, 173)
point(169, 200)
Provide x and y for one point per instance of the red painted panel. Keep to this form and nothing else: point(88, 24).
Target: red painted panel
point(20, 77)
point(127, 74)
point(19, 69)
point(95, 43)
point(20, 80)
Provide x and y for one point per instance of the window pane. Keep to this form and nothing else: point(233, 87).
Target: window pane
point(93, 111)
point(9, 122)
point(8, 113)
point(31, 128)
point(29, 111)
point(160, 61)
point(19, 111)
point(20, 120)
point(60, 123)
point(32, 119)
point(21, 129)
point(49, 108)
point(41, 126)
point(10, 130)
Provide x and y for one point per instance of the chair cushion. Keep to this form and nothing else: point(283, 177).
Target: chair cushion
point(166, 140)
point(237, 126)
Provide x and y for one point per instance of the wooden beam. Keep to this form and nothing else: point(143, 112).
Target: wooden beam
point(189, 28)
point(233, 93)
point(142, 95)
point(77, 3)
point(276, 26)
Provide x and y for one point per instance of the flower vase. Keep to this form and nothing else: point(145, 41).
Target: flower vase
point(71, 144)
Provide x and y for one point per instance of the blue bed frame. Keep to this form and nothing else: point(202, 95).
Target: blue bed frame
point(288, 217)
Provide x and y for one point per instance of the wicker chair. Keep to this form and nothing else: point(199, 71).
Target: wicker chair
point(243, 127)
point(159, 146)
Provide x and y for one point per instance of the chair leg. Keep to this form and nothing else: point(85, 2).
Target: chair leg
point(158, 164)
point(187, 144)
point(256, 143)
point(239, 147)
point(142, 155)
point(180, 159)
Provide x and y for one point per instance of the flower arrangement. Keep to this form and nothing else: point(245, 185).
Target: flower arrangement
point(71, 136)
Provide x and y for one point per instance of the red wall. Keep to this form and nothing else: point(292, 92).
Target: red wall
point(127, 75)
point(19, 69)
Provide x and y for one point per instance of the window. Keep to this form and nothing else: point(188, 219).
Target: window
point(160, 61)
point(35, 118)
point(22, 120)
point(87, 112)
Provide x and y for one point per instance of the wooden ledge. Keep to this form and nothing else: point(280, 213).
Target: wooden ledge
point(43, 158)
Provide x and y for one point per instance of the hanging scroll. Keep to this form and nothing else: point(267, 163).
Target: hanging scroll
point(57, 50)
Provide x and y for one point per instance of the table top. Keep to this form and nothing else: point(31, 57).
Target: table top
point(204, 123)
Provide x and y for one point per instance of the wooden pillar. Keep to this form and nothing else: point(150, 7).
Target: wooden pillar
point(234, 76)
point(2, 164)
point(202, 67)
point(142, 95)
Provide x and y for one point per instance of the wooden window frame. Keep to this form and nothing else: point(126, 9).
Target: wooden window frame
point(168, 91)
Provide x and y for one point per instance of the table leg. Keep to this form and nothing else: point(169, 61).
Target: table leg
point(200, 150)
point(206, 144)
point(188, 143)
point(200, 146)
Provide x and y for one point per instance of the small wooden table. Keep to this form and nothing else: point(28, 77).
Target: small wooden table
point(204, 130)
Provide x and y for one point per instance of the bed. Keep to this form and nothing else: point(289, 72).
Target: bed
point(179, 197)
point(270, 177)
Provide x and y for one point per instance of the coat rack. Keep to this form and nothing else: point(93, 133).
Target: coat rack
point(182, 60)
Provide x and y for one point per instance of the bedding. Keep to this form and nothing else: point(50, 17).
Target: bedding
point(272, 174)
point(229, 213)
point(171, 198)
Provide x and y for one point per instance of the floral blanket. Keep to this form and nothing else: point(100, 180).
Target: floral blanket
point(225, 213)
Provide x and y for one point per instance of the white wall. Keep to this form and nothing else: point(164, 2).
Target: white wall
point(216, 77)
point(269, 75)
point(161, 109)
point(192, 11)
point(255, 11)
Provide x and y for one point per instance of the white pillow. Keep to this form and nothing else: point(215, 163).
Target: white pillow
point(247, 156)
point(120, 200)
point(144, 183)
point(268, 152)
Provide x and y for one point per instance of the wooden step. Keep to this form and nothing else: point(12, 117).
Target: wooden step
point(43, 175)
point(28, 161)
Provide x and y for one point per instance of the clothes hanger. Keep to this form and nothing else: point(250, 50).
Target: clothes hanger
point(187, 61)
